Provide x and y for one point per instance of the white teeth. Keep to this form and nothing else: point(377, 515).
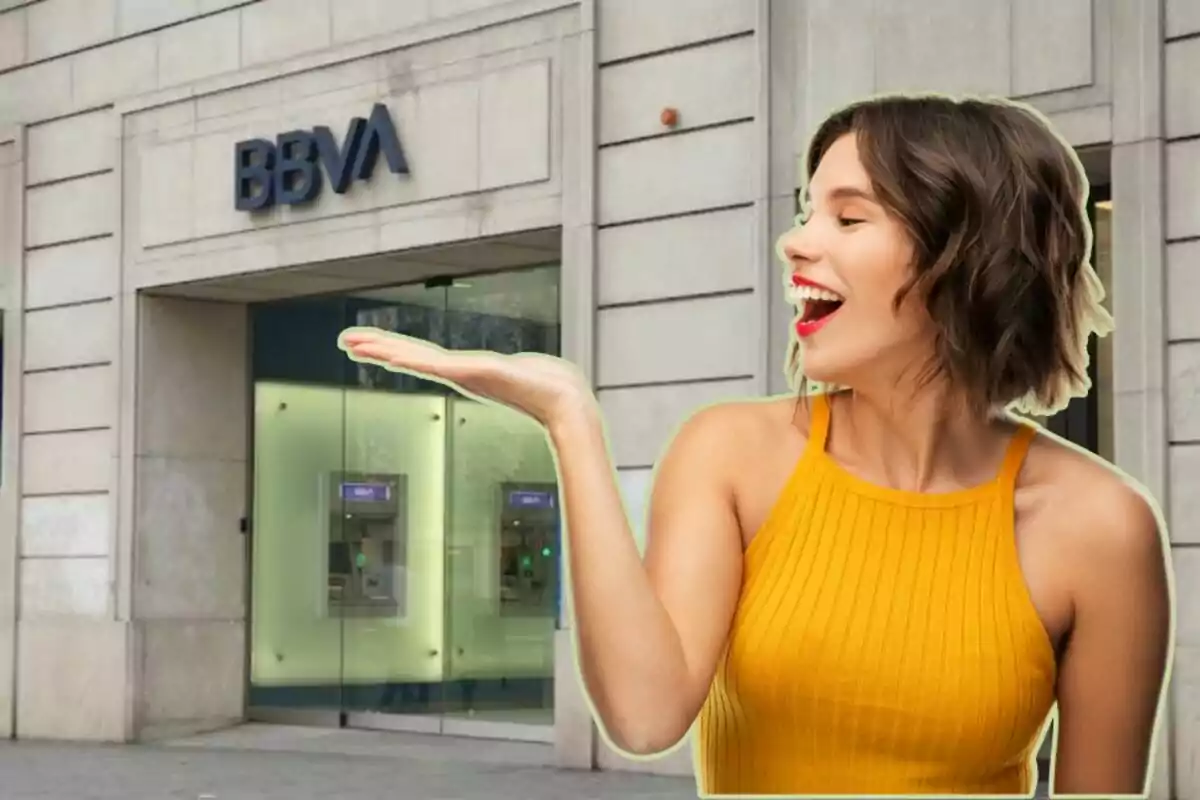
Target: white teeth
point(799, 294)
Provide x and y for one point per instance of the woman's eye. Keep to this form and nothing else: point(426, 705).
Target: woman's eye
point(846, 222)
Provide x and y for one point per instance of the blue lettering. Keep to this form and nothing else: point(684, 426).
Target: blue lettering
point(254, 166)
point(289, 170)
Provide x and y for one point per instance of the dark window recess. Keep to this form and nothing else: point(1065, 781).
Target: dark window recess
point(1079, 422)
point(296, 340)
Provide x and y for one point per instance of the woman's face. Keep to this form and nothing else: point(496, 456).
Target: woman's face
point(846, 262)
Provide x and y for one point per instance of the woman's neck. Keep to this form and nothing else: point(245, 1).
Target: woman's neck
point(927, 440)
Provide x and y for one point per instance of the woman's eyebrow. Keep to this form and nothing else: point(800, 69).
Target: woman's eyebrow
point(840, 193)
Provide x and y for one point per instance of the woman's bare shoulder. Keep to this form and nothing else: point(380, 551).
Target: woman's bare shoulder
point(739, 422)
point(1095, 510)
point(738, 435)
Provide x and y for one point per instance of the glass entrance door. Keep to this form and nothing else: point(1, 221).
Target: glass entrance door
point(503, 588)
point(395, 445)
point(411, 531)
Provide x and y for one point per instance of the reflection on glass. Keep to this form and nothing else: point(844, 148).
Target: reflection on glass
point(406, 539)
point(503, 585)
point(500, 527)
point(393, 646)
point(296, 634)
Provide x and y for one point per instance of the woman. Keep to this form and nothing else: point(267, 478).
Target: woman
point(887, 588)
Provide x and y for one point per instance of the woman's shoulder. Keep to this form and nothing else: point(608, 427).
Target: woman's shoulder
point(732, 430)
point(1094, 508)
point(736, 419)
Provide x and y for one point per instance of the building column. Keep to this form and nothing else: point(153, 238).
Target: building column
point(189, 495)
point(1140, 165)
point(1179, 293)
point(11, 259)
point(575, 735)
point(71, 645)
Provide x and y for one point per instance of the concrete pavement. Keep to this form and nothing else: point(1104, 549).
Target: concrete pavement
point(268, 763)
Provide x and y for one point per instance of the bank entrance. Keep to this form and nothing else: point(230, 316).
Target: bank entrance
point(402, 540)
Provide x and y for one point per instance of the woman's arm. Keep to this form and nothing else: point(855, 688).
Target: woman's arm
point(1112, 672)
point(650, 635)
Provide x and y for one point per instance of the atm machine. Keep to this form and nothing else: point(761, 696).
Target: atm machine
point(529, 550)
point(367, 543)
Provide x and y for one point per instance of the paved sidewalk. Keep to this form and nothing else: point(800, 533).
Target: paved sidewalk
point(263, 762)
point(296, 764)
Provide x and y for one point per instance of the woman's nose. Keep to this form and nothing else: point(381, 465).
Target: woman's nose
point(796, 246)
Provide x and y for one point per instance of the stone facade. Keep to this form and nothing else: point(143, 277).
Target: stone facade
point(126, 613)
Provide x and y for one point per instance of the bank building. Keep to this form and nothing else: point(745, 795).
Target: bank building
point(208, 515)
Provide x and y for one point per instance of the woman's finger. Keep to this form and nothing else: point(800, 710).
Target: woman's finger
point(414, 355)
point(393, 349)
point(387, 353)
point(352, 336)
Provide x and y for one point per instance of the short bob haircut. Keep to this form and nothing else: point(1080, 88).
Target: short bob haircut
point(994, 203)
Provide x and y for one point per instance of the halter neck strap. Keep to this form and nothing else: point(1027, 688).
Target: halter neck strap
point(818, 422)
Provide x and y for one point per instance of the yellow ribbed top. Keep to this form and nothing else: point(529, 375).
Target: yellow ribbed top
point(884, 643)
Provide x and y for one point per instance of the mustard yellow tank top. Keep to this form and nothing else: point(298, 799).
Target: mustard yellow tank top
point(884, 643)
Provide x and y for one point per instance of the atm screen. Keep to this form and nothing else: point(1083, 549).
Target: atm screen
point(526, 499)
point(366, 492)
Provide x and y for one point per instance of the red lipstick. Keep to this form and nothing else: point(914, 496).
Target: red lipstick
point(807, 324)
point(805, 328)
point(799, 280)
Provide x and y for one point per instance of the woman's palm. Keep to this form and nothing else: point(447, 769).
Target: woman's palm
point(543, 387)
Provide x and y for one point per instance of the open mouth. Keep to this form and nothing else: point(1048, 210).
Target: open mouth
point(814, 304)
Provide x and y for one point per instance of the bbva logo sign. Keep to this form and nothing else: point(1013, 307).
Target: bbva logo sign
point(288, 171)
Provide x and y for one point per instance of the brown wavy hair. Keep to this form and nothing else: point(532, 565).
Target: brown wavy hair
point(994, 203)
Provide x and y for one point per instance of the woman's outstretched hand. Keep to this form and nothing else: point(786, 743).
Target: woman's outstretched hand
point(546, 388)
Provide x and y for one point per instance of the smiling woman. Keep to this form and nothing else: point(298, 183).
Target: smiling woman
point(885, 589)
